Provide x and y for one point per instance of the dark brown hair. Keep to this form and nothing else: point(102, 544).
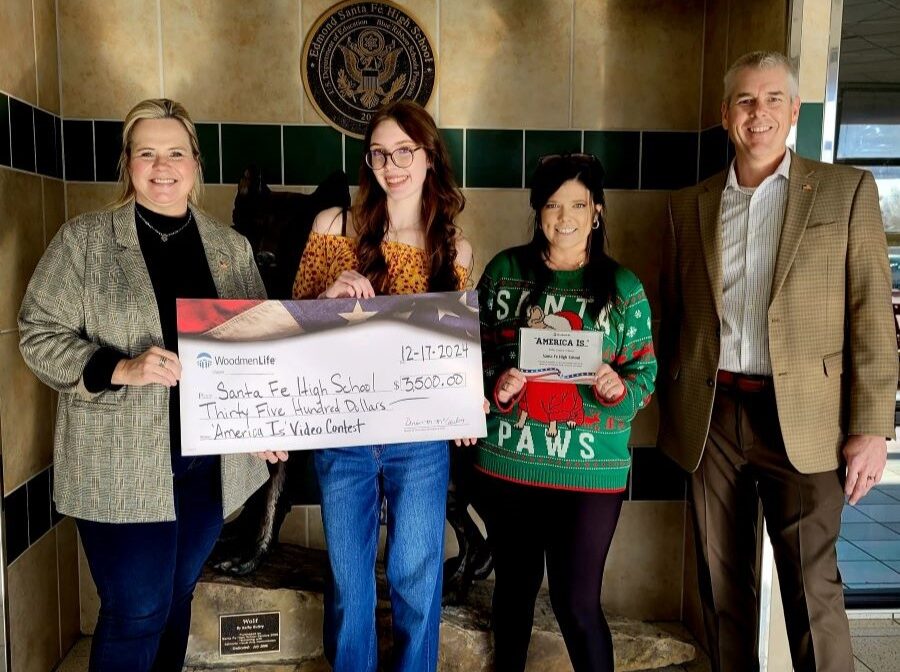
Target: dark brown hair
point(442, 201)
point(600, 270)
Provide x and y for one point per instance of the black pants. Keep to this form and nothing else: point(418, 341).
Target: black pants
point(145, 575)
point(573, 531)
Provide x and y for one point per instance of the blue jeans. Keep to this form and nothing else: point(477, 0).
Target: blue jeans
point(412, 478)
point(145, 575)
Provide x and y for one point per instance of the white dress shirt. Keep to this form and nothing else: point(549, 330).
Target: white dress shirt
point(751, 220)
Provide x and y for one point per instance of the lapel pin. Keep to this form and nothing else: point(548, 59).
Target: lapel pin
point(223, 264)
point(807, 187)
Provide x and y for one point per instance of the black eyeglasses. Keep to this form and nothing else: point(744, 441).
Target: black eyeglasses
point(402, 157)
point(576, 157)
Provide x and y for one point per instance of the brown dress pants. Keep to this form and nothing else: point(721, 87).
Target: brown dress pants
point(744, 465)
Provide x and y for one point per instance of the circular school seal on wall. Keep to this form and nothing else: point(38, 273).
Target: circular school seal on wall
point(360, 56)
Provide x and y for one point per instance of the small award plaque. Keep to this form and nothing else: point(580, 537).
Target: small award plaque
point(249, 633)
point(560, 356)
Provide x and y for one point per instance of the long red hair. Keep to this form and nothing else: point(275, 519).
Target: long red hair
point(442, 201)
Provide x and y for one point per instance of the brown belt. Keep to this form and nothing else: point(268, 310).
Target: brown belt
point(742, 382)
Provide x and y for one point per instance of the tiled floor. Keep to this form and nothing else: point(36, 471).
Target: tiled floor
point(869, 545)
point(876, 643)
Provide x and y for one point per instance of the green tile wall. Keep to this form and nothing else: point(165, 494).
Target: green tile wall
point(245, 144)
point(668, 159)
point(481, 158)
point(620, 153)
point(30, 138)
point(454, 140)
point(107, 149)
point(311, 153)
point(208, 135)
point(353, 158)
point(494, 158)
point(21, 125)
point(541, 143)
point(5, 158)
point(78, 137)
point(809, 130)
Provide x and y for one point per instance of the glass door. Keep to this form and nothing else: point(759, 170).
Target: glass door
point(864, 95)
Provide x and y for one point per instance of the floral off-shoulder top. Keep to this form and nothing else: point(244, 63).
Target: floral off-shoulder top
point(327, 256)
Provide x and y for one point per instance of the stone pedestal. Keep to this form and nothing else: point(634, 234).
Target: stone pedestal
point(292, 580)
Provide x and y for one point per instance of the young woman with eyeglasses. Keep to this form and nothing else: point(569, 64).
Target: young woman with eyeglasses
point(555, 463)
point(404, 240)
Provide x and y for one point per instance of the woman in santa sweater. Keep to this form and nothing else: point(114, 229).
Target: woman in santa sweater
point(555, 461)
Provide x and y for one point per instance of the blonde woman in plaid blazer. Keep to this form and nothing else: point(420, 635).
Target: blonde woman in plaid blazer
point(98, 325)
point(778, 369)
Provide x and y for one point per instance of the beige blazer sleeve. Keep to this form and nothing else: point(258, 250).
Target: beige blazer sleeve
point(52, 329)
point(872, 358)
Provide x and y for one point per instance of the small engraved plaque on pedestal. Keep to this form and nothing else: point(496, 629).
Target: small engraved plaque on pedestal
point(249, 633)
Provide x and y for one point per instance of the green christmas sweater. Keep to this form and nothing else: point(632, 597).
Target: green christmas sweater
point(561, 435)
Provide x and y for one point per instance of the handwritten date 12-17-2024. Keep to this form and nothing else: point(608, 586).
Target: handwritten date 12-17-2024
point(431, 352)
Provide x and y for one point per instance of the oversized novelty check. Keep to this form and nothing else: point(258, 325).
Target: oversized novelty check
point(295, 375)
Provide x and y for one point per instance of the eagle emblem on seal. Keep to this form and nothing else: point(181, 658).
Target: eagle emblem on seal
point(362, 54)
point(369, 66)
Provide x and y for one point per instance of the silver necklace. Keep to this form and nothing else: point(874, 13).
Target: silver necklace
point(165, 236)
point(553, 266)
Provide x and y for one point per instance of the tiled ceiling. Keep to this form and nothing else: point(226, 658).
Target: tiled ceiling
point(870, 41)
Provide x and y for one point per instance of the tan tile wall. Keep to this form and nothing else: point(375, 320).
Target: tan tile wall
point(109, 56)
point(756, 26)
point(233, 59)
point(779, 646)
point(637, 64)
point(17, 70)
point(611, 64)
point(46, 55)
point(29, 207)
point(41, 593)
point(21, 238)
point(815, 34)
point(88, 597)
point(68, 569)
point(691, 610)
point(40, 582)
point(493, 220)
point(640, 582)
point(502, 67)
point(24, 414)
point(84, 197)
point(644, 580)
point(218, 200)
point(715, 61)
point(568, 64)
point(54, 207)
point(733, 28)
point(34, 608)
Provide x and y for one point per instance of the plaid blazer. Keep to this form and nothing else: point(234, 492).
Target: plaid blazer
point(830, 321)
point(91, 288)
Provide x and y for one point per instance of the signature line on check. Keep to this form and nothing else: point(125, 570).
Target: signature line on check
point(397, 401)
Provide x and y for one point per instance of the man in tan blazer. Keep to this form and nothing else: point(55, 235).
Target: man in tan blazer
point(778, 368)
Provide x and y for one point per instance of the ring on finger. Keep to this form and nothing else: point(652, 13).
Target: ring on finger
point(162, 361)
